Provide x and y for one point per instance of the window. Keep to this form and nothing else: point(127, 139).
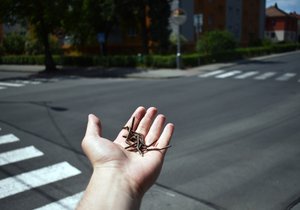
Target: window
point(210, 20)
point(272, 35)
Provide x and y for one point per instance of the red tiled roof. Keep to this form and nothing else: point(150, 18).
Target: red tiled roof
point(274, 11)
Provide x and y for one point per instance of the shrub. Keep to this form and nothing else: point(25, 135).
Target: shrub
point(115, 61)
point(14, 44)
point(34, 47)
point(216, 42)
point(160, 61)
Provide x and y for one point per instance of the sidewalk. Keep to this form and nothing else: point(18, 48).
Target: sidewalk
point(133, 72)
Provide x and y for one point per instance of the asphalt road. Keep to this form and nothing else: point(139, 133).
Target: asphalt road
point(236, 144)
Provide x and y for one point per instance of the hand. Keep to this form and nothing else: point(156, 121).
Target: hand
point(139, 172)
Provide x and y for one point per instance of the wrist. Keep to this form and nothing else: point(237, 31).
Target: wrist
point(109, 188)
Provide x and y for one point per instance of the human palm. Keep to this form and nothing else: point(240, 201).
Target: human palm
point(141, 171)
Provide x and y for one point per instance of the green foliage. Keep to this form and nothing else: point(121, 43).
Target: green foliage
point(23, 59)
point(266, 42)
point(173, 39)
point(45, 16)
point(116, 61)
point(216, 42)
point(91, 17)
point(1, 49)
point(14, 44)
point(160, 61)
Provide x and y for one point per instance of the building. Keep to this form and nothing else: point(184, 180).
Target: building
point(298, 24)
point(1, 33)
point(244, 18)
point(280, 26)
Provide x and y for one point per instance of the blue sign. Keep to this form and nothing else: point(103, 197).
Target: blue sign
point(101, 37)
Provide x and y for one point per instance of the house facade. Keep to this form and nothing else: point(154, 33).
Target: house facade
point(243, 18)
point(280, 26)
point(298, 24)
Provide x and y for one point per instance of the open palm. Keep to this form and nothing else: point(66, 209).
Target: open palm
point(141, 171)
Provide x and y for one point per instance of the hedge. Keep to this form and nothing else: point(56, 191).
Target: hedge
point(153, 61)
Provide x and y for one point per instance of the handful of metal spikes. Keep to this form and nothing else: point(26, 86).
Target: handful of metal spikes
point(136, 141)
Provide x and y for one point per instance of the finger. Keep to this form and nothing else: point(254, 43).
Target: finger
point(165, 138)
point(138, 114)
point(155, 130)
point(93, 126)
point(146, 122)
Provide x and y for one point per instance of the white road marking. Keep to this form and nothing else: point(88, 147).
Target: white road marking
point(9, 84)
point(265, 76)
point(285, 77)
point(68, 203)
point(8, 138)
point(209, 74)
point(19, 155)
point(246, 75)
point(36, 178)
point(30, 82)
point(1, 88)
point(228, 74)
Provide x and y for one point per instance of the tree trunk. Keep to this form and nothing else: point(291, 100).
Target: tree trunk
point(49, 62)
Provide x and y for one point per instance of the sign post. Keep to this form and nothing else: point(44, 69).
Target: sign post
point(101, 40)
point(178, 17)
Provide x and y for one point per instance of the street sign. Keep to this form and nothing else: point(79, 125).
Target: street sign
point(178, 16)
point(101, 37)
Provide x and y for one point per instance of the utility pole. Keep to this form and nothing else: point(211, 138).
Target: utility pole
point(178, 17)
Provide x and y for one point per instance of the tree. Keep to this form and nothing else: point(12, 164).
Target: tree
point(159, 14)
point(44, 15)
point(135, 13)
point(92, 17)
point(213, 42)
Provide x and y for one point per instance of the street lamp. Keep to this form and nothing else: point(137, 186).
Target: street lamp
point(178, 17)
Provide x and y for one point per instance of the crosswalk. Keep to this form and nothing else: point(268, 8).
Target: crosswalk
point(30, 180)
point(17, 83)
point(255, 75)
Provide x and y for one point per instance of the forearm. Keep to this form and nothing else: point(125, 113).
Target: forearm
point(109, 190)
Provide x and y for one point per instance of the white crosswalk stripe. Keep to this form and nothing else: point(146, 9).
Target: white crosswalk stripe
point(36, 178)
point(8, 138)
point(39, 177)
point(286, 77)
point(209, 74)
point(19, 155)
point(256, 75)
point(11, 84)
point(68, 203)
point(23, 82)
point(265, 76)
point(246, 75)
point(26, 82)
point(228, 74)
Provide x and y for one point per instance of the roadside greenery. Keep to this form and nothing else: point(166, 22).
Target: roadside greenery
point(216, 41)
point(84, 20)
point(153, 61)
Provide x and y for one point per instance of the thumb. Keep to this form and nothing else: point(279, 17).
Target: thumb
point(93, 126)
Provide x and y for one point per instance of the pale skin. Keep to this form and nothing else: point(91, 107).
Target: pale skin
point(120, 177)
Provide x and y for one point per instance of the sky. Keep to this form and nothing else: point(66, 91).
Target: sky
point(286, 5)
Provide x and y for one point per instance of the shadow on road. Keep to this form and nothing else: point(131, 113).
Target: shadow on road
point(72, 73)
point(90, 72)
